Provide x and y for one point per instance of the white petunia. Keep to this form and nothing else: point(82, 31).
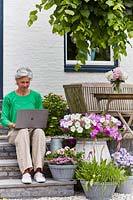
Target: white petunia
point(66, 117)
point(77, 124)
point(77, 116)
point(66, 124)
point(86, 120)
point(70, 123)
point(80, 129)
point(114, 119)
point(102, 119)
point(73, 129)
point(87, 126)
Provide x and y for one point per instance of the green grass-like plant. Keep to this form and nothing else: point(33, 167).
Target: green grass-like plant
point(102, 172)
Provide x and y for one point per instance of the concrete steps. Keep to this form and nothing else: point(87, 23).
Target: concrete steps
point(9, 169)
point(10, 176)
point(7, 151)
point(15, 189)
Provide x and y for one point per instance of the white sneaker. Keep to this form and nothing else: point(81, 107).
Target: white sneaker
point(26, 178)
point(39, 177)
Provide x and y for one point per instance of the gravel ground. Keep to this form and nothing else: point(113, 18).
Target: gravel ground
point(81, 196)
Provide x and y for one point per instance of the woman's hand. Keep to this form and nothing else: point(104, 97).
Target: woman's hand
point(12, 125)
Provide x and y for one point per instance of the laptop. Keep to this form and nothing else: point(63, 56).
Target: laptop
point(35, 118)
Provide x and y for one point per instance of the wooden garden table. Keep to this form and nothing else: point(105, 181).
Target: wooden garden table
point(116, 96)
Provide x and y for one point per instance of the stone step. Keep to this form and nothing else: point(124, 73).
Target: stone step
point(3, 138)
point(7, 151)
point(9, 169)
point(13, 188)
point(3, 130)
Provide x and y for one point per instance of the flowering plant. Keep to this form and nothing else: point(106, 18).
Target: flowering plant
point(64, 156)
point(92, 126)
point(123, 159)
point(116, 76)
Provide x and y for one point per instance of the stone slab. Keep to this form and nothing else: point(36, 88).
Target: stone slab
point(51, 188)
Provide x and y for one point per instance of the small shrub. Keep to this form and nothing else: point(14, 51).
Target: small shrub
point(57, 107)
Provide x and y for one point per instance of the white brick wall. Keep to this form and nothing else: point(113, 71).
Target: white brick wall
point(42, 51)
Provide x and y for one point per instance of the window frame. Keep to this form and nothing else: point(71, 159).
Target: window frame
point(92, 66)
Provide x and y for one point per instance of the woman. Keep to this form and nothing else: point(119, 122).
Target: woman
point(25, 98)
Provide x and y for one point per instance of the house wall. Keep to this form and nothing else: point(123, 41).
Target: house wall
point(42, 51)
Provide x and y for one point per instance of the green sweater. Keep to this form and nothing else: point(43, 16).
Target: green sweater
point(13, 102)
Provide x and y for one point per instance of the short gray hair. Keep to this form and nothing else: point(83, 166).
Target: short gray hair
point(23, 71)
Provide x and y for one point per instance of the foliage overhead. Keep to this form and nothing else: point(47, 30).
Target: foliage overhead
point(102, 22)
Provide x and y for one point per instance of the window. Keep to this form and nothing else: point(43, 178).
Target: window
point(100, 60)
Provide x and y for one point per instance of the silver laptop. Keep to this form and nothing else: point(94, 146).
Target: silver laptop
point(32, 118)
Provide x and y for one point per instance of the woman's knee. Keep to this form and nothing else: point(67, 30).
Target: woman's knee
point(39, 131)
point(23, 134)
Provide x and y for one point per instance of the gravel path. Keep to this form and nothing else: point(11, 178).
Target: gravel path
point(81, 196)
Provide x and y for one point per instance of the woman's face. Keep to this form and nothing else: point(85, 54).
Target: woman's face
point(23, 83)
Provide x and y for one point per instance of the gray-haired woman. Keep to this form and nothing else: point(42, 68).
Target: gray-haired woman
point(25, 98)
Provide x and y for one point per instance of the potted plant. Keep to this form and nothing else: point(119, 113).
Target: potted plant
point(63, 162)
point(92, 131)
point(99, 180)
point(57, 107)
point(124, 160)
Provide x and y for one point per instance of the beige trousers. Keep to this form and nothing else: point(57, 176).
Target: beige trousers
point(30, 147)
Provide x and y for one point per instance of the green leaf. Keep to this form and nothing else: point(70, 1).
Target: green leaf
point(48, 5)
point(69, 12)
point(86, 1)
point(130, 34)
point(33, 12)
point(110, 3)
point(111, 16)
point(30, 22)
point(85, 13)
point(116, 27)
point(67, 29)
point(75, 18)
point(86, 185)
point(39, 7)
point(33, 17)
point(44, 1)
point(77, 67)
point(73, 5)
point(61, 9)
point(91, 182)
point(118, 6)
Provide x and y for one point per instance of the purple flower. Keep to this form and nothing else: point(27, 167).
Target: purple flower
point(123, 158)
point(92, 126)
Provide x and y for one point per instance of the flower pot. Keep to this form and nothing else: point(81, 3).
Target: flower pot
point(126, 187)
point(99, 191)
point(62, 172)
point(56, 143)
point(92, 148)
